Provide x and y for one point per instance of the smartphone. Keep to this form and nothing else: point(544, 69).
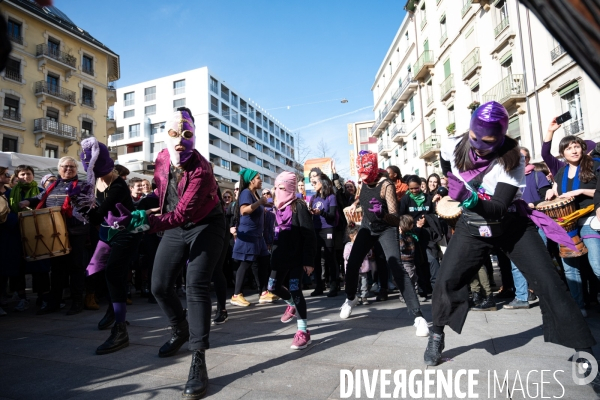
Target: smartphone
point(270, 200)
point(561, 119)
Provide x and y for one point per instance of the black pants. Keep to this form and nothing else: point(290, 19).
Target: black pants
point(505, 271)
point(260, 269)
point(562, 321)
point(202, 246)
point(293, 278)
point(123, 247)
point(72, 267)
point(219, 278)
point(325, 241)
point(388, 239)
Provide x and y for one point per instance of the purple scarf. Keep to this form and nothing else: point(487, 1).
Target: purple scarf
point(480, 164)
point(284, 218)
point(552, 230)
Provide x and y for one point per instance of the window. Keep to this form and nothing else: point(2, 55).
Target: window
point(243, 106)
point(411, 104)
point(225, 164)
point(214, 104)
point(51, 151)
point(157, 128)
point(87, 128)
point(433, 127)
point(258, 146)
point(364, 147)
point(178, 103)
point(150, 110)
point(571, 101)
point(179, 87)
point(87, 97)
point(225, 110)
point(11, 109)
point(128, 113)
point(87, 65)
point(137, 148)
point(156, 147)
point(53, 82)
point(53, 46)
point(414, 142)
point(13, 70)
point(243, 139)
point(150, 93)
point(234, 99)
point(134, 130)
point(52, 114)
point(129, 98)
point(214, 85)
point(225, 128)
point(258, 117)
point(259, 162)
point(364, 135)
point(265, 122)
point(9, 144)
point(402, 115)
point(224, 93)
point(475, 93)
point(443, 29)
point(250, 111)
point(507, 67)
point(451, 117)
point(15, 31)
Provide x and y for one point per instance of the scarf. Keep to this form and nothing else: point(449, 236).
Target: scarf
point(28, 190)
point(248, 174)
point(565, 179)
point(529, 169)
point(284, 218)
point(411, 234)
point(401, 189)
point(418, 198)
point(66, 209)
point(283, 198)
point(552, 230)
point(480, 164)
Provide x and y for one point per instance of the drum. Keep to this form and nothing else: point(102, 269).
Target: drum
point(43, 234)
point(557, 208)
point(355, 217)
point(566, 252)
point(449, 210)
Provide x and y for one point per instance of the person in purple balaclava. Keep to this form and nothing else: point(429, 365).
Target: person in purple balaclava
point(486, 173)
point(114, 252)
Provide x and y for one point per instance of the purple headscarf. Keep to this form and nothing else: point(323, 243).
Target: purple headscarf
point(490, 119)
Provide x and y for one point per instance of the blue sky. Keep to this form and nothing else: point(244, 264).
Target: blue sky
point(279, 53)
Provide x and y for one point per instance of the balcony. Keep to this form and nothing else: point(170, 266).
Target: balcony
point(509, 91)
point(447, 88)
point(15, 38)
point(111, 94)
point(47, 126)
point(471, 64)
point(430, 146)
point(118, 136)
point(443, 38)
point(424, 65)
point(423, 23)
point(13, 75)
point(574, 128)
point(501, 27)
point(398, 133)
point(60, 59)
point(400, 96)
point(12, 115)
point(111, 126)
point(466, 7)
point(136, 156)
point(385, 147)
point(54, 93)
point(557, 52)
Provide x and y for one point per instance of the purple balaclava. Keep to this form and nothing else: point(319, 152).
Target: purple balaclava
point(95, 159)
point(180, 131)
point(489, 119)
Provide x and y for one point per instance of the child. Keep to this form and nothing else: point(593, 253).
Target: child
point(407, 247)
point(364, 268)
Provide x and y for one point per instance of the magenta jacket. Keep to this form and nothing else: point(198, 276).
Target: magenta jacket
point(197, 192)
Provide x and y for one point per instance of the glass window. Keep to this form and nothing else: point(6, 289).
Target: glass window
point(87, 97)
point(138, 148)
point(87, 128)
point(243, 139)
point(128, 113)
point(150, 110)
point(224, 128)
point(214, 104)
point(129, 98)
point(475, 94)
point(53, 46)
point(224, 93)
point(150, 93)
point(225, 164)
point(225, 111)
point(53, 82)
point(179, 87)
point(11, 108)
point(52, 114)
point(134, 130)
point(234, 99)
point(214, 85)
point(9, 144)
point(157, 128)
point(178, 103)
point(15, 30)
point(364, 136)
point(571, 102)
point(87, 65)
point(51, 151)
point(259, 162)
point(13, 69)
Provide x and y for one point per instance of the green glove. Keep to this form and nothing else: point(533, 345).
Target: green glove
point(139, 222)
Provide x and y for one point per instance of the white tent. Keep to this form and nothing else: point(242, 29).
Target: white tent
point(44, 165)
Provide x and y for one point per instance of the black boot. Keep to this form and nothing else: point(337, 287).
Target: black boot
point(477, 299)
point(180, 334)
point(118, 339)
point(108, 319)
point(197, 383)
point(433, 352)
point(76, 306)
point(488, 304)
point(382, 295)
point(333, 289)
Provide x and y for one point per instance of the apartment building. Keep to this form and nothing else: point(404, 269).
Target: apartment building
point(359, 136)
point(57, 86)
point(492, 50)
point(231, 130)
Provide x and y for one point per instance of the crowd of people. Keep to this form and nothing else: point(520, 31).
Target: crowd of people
point(180, 235)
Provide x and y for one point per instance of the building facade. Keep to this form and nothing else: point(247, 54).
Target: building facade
point(446, 60)
point(57, 86)
point(232, 131)
point(359, 136)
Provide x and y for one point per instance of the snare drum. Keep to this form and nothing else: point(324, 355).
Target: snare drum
point(355, 217)
point(449, 210)
point(43, 234)
point(557, 208)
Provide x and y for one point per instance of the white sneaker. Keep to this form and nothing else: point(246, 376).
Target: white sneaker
point(2, 312)
point(422, 327)
point(23, 305)
point(347, 308)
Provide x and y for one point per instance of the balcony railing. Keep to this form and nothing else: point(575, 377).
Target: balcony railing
point(433, 142)
point(512, 85)
point(380, 147)
point(447, 85)
point(225, 96)
point(466, 7)
point(118, 136)
point(13, 75)
point(55, 90)
point(214, 107)
point(426, 57)
point(214, 88)
point(501, 27)
point(471, 61)
point(423, 23)
point(443, 38)
point(56, 128)
point(429, 99)
point(61, 56)
point(574, 128)
point(557, 52)
point(15, 38)
point(12, 114)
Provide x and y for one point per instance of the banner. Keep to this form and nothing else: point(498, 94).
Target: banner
point(324, 164)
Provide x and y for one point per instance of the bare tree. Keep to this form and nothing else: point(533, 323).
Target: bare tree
point(303, 150)
point(322, 150)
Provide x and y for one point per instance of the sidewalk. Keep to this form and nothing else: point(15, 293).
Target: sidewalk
point(52, 356)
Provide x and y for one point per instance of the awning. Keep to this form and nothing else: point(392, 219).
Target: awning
point(569, 88)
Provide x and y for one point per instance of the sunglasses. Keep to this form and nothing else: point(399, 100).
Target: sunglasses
point(68, 166)
point(226, 197)
point(236, 189)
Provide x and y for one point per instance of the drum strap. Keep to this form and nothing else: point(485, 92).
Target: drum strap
point(66, 208)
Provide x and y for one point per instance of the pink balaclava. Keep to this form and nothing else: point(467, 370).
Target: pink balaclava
point(184, 135)
point(284, 198)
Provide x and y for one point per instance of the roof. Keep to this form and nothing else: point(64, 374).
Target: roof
point(60, 19)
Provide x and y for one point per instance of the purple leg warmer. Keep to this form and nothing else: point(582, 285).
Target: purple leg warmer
point(120, 311)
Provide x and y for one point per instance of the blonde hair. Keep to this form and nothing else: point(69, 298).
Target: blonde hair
point(67, 158)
